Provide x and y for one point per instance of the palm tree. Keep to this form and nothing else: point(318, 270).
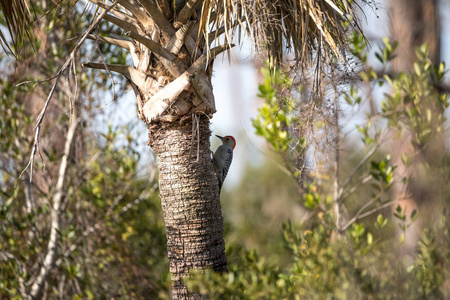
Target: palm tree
point(173, 45)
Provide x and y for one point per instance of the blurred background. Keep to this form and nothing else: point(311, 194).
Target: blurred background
point(113, 240)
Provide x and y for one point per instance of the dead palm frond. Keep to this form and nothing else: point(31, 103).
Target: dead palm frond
point(301, 27)
point(16, 17)
point(20, 20)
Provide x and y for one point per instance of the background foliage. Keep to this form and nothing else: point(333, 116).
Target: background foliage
point(112, 237)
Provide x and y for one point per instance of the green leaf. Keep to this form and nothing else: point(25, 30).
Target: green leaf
point(369, 238)
point(378, 56)
point(309, 201)
point(417, 69)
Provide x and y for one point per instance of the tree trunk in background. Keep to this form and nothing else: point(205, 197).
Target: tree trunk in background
point(190, 200)
point(414, 22)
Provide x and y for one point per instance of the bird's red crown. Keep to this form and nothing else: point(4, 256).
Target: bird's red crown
point(234, 140)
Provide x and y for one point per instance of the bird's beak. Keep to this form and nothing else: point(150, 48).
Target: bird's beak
point(220, 137)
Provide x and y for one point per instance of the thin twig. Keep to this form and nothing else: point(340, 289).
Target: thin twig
point(106, 66)
point(370, 212)
point(355, 188)
point(267, 156)
point(36, 82)
point(70, 62)
point(37, 128)
point(356, 169)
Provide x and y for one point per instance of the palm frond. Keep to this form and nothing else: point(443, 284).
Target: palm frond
point(300, 27)
point(19, 18)
point(16, 18)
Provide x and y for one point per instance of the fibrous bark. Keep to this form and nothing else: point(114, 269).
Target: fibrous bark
point(190, 199)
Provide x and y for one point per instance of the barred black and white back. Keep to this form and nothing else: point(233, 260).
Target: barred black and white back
point(223, 158)
point(224, 171)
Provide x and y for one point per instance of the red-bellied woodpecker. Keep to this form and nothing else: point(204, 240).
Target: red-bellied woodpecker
point(223, 157)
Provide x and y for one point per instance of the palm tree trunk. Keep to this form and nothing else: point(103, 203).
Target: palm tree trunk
point(190, 199)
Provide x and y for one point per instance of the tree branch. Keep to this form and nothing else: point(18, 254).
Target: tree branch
point(443, 85)
point(52, 247)
point(118, 42)
point(140, 79)
point(361, 215)
point(355, 188)
point(67, 65)
point(355, 170)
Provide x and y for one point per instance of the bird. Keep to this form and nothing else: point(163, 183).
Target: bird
point(223, 157)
